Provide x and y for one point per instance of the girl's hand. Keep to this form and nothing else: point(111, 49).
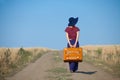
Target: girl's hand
point(74, 45)
point(71, 45)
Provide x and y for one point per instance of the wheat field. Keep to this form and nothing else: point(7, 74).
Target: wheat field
point(107, 53)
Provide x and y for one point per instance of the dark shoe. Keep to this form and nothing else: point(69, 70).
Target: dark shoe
point(74, 70)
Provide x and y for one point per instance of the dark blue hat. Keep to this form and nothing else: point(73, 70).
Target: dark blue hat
point(72, 21)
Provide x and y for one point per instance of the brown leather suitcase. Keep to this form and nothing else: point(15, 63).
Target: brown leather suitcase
point(73, 54)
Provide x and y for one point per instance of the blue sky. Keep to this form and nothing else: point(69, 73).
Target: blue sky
point(41, 23)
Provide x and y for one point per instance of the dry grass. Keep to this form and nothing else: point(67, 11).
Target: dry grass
point(108, 55)
point(13, 59)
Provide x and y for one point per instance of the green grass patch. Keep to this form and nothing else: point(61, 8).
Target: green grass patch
point(58, 70)
point(59, 73)
point(56, 57)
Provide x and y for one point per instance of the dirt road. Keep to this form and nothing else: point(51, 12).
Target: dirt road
point(51, 67)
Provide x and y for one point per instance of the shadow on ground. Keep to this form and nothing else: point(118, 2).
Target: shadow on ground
point(89, 73)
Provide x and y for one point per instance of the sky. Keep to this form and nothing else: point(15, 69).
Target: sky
point(41, 23)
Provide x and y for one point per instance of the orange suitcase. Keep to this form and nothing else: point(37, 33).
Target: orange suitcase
point(72, 54)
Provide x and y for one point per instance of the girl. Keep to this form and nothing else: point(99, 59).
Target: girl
point(72, 35)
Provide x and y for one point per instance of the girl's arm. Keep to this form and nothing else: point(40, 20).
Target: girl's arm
point(68, 39)
point(77, 37)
